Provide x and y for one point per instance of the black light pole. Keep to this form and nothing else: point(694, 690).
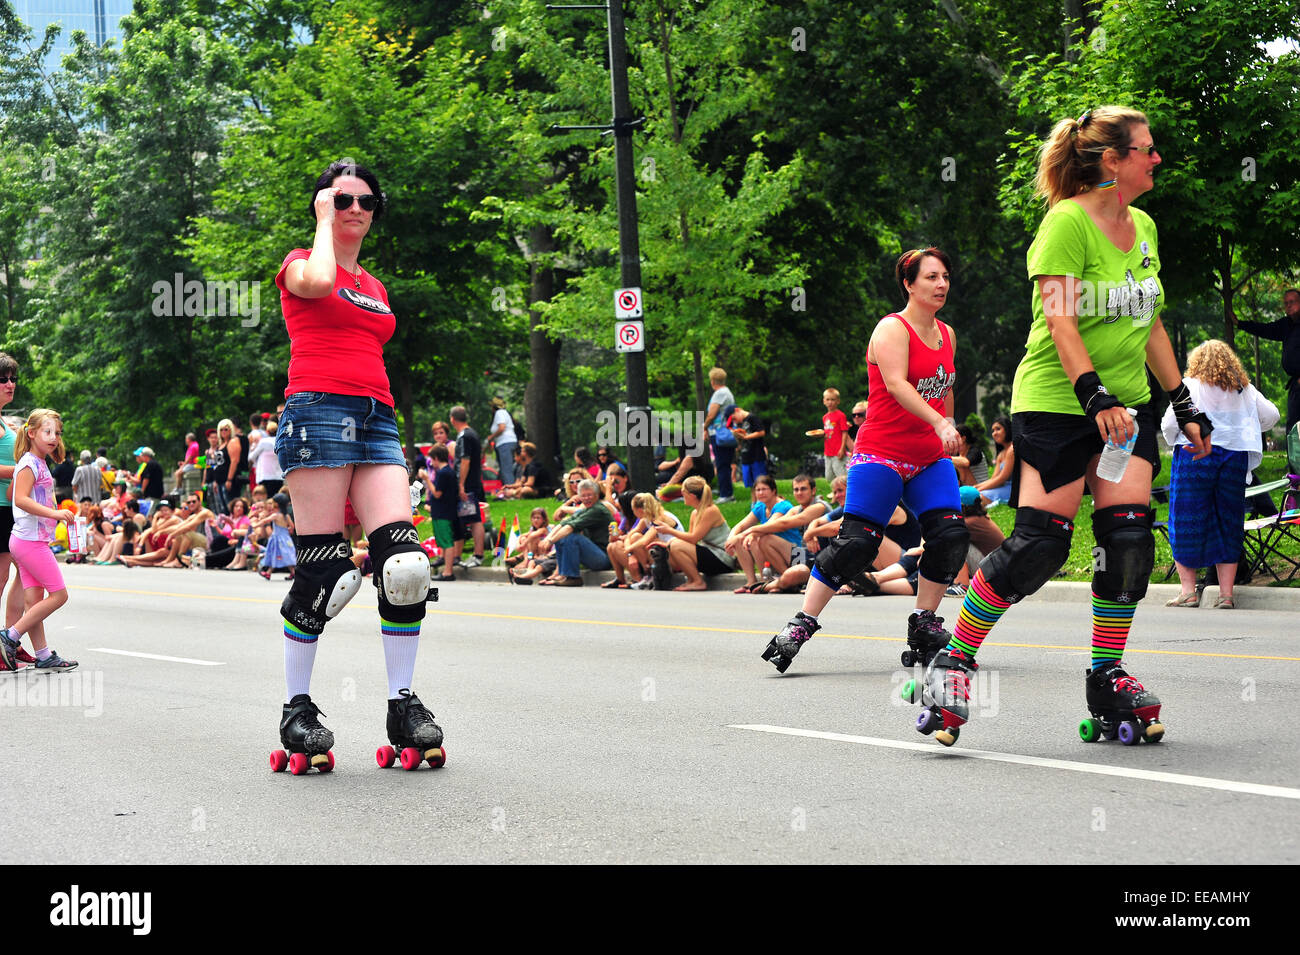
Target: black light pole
point(640, 457)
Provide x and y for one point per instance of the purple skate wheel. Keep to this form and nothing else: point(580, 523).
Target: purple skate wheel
point(1128, 733)
point(926, 722)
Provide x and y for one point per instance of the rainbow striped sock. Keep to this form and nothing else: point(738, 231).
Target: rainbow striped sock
point(1111, 622)
point(981, 609)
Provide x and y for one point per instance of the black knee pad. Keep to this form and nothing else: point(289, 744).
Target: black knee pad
point(1031, 556)
point(401, 572)
point(324, 580)
point(945, 539)
point(850, 552)
point(1125, 552)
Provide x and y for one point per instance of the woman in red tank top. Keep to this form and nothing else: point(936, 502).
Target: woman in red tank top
point(903, 450)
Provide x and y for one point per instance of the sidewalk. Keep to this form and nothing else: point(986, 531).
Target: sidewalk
point(1247, 598)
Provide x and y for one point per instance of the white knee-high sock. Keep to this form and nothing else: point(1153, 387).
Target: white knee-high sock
point(401, 643)
point(299, 656)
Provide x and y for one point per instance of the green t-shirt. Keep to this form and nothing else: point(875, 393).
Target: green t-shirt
point(1119, 296)
point(591, 522)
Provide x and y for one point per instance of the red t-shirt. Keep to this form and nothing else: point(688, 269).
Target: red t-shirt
point(336, 343)
point(835, 425)
point(890, 430)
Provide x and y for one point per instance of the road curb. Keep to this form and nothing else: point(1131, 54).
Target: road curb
point(1247, 598)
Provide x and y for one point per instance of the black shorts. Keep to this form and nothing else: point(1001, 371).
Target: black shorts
point(1059, 446)
point(708, 562)
point(6, 528)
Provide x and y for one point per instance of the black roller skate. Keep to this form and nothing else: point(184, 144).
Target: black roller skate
point(306, 743)
point(782, 648)
point(944, 694)
point(925, 638)
point(413, 732)
point(1121, 708)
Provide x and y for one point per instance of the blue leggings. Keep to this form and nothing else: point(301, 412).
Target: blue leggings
point(874, 491)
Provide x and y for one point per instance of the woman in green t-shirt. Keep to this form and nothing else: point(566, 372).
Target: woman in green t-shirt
point(1096, 297)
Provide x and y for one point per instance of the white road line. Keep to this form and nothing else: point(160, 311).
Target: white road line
point(155, 656)
point(1177, 779)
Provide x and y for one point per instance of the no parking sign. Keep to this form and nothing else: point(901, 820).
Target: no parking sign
point(629, 336)
point(627, 303)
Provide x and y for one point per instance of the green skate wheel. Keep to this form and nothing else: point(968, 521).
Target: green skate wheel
point(1089, 731)
point(909, 691)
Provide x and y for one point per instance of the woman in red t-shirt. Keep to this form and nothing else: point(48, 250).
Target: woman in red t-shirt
point(338, 441)
point(903, 450)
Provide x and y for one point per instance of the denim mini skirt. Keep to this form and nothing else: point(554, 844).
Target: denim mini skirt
point(321, 430)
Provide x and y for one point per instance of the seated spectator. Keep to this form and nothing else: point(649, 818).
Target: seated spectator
point(997, 489)
point(771, 541)
point(538, 556)
point(581, 538)
point(120, 543)
point(631, 553)
point(700, 550)
point(972, 467)
point(188, 464)
point(587, 461)
point(151, 547)
point(985, 536)
point(768, 504)
point(605, 458)
point(572, 500)
point(672, 473)
point(534, 479)
point(226, 536)
point(279, 553)
point(898, 579)
point(619, 496)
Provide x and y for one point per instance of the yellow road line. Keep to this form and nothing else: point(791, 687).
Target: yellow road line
point(668, 626)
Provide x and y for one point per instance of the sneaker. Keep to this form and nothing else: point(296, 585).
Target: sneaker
point(471, 561)
point(55, 664)
point(9, 648)
point(955, 590)
point(22, 656)
point(645, 583)
point(724, 499)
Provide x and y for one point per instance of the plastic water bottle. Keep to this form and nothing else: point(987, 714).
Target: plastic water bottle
point(768, 573)
point(1114, 457)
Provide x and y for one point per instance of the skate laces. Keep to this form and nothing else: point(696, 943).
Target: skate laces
point(955, 684)
point(1126, 684)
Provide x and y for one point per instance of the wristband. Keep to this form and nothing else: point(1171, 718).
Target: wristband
point(1186, 412)
point(1092, 395)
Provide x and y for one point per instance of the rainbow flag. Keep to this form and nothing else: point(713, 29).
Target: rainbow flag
point(501, 537)
point(513, 544)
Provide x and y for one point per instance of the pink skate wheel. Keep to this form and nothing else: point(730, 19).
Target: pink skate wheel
point(411, 758)
point(385, 756)
point(436, 757)
point(298, 763)
point(279, 761)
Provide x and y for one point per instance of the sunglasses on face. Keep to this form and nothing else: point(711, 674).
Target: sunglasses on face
point(9, 378)
point(859, 414)
point(1144, 150)
point(343, 201)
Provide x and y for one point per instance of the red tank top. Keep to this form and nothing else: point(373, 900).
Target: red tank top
point(893, 432)
point(336, 343)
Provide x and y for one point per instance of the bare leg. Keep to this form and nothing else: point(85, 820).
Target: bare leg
point(38, 610)
point(682, 558)
point(1227, 577)
point(1187, 578)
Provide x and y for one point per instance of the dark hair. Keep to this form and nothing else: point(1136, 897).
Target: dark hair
point(908, 266)
point(345, 167)
point(584, 456)
point(1006, 430)
point(459, 413)
point(808, 479)
point(8, 366)
point(439, 453)
point(528, 448)
point(966, 433)
point(766, 479)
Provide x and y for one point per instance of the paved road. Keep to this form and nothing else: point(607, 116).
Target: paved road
point(599, 726)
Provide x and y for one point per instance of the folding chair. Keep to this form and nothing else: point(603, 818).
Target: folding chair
point(1262, 545)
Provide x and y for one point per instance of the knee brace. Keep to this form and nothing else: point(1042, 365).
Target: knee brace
point(324, 581)
point(850, 552)
point(401, 572)
point(1125, 552)
point(1035, 551)
point(946, 539)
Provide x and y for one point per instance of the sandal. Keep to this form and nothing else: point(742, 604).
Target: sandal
point(1224, 603)
point(749, 588)
point(1185, 600)
point(615, 584)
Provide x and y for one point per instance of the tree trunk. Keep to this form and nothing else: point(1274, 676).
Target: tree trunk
point(702, 392)
point(542, 417)
point(406, 407)
point(1225, 284)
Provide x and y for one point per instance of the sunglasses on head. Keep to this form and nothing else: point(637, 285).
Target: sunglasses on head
point(343, 200)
